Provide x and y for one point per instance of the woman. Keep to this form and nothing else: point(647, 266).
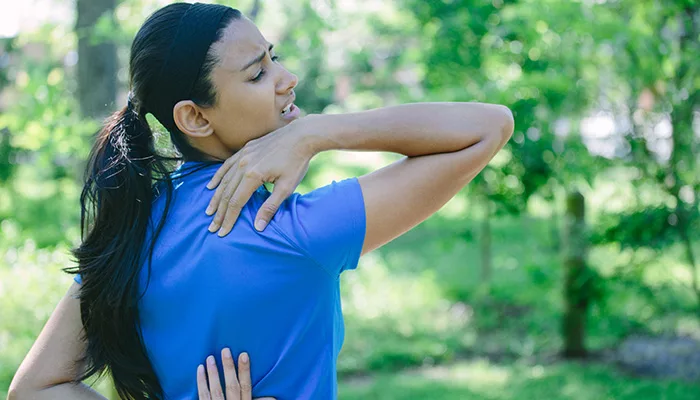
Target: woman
point(158, 292)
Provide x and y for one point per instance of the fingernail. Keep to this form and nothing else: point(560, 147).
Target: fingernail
point(221, 233)
point(227, 353)
point(209, 186)
point(211, 360)
point(259, 225)
point(210, 210)
point(244, 358)
point(212, 227)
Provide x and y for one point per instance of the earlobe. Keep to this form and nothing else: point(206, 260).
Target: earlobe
point(190, 120)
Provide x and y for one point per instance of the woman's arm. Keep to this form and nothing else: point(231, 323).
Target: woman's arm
point(447, 144)
point(49, 368)
point(415, 129)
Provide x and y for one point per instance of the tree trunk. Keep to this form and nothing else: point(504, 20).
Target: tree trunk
point(97, 62)
point(254, 10)
point(683, 157)
point(575, 298)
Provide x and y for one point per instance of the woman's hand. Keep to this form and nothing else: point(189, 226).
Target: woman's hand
point(237, 387)
point(280, 157)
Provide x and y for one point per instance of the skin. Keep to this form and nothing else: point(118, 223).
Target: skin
point(445, 144)
point(237, 385)
point(249, 101)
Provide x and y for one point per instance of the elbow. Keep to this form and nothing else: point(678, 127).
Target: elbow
point(500, 127)
point(507, 124)
point(20, 389)
point(14, 393)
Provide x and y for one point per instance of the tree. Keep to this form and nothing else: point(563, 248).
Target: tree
point(97, 58)
point(654, 63)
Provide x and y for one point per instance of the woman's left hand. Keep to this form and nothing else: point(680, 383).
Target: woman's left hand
point(280, 157)
point(238, 386)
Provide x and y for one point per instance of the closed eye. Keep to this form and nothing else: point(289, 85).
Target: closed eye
point(262, 70)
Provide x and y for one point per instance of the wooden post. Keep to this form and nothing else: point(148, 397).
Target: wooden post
point(574, 261)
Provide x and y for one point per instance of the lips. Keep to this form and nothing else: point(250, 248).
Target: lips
point(288, 104)
point(292, 113)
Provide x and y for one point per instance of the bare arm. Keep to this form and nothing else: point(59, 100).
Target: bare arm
point(49, 368)
point(447, 145)
point(415, 129)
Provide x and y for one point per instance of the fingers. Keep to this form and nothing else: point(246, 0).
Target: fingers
point(245, 190)
point(271, 205)
point(227, 184)
point(214, 383)
point(233, 389)
point(225, 194)
point(221, 172)
point(237, 387)
point(244, 377)
point(202, 388)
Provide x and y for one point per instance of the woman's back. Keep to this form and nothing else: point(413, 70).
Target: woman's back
point(273, 294)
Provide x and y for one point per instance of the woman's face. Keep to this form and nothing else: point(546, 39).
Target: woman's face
point(252, 88)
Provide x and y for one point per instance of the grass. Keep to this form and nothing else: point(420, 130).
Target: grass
point(483, 380)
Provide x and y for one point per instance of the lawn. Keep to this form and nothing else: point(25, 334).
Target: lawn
point(483, 380)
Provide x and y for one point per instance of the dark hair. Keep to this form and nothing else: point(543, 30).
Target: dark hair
point(116, 206)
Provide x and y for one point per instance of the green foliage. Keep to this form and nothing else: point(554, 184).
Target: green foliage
point(420, 300)
point(649, 227)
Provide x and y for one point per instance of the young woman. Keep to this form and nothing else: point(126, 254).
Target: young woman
point(157, 292)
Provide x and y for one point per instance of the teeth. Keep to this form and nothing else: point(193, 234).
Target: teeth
point(286, 109)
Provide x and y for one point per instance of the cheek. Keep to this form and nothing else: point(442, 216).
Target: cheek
point(255, 103)
point(255, 112)
point(247, 106)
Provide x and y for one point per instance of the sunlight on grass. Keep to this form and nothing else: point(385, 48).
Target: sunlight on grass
point(479, 374)
point(481, 379)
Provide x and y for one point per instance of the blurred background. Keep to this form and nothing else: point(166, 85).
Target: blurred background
point(569, 268)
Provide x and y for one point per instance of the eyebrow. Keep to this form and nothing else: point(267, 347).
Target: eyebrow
point(257, 59)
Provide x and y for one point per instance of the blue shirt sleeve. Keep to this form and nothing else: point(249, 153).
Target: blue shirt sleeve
point(328, 224)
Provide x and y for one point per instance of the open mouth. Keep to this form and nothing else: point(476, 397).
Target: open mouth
point(290, 112)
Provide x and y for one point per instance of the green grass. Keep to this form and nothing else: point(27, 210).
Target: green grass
point(480, 379)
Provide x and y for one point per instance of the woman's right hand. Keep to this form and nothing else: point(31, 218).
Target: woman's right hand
point(238, 386)
point(280, 157)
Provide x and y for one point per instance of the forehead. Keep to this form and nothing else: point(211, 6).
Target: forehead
point(241, 42)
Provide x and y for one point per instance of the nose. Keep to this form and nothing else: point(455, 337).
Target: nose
point(287, 82)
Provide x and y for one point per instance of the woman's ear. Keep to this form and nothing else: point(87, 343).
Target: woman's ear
point(190, 120)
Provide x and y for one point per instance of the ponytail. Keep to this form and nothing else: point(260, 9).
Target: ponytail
point(115, 213)
point(171, 60)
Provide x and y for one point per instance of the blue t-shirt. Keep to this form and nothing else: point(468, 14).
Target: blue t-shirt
point(274, 294)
